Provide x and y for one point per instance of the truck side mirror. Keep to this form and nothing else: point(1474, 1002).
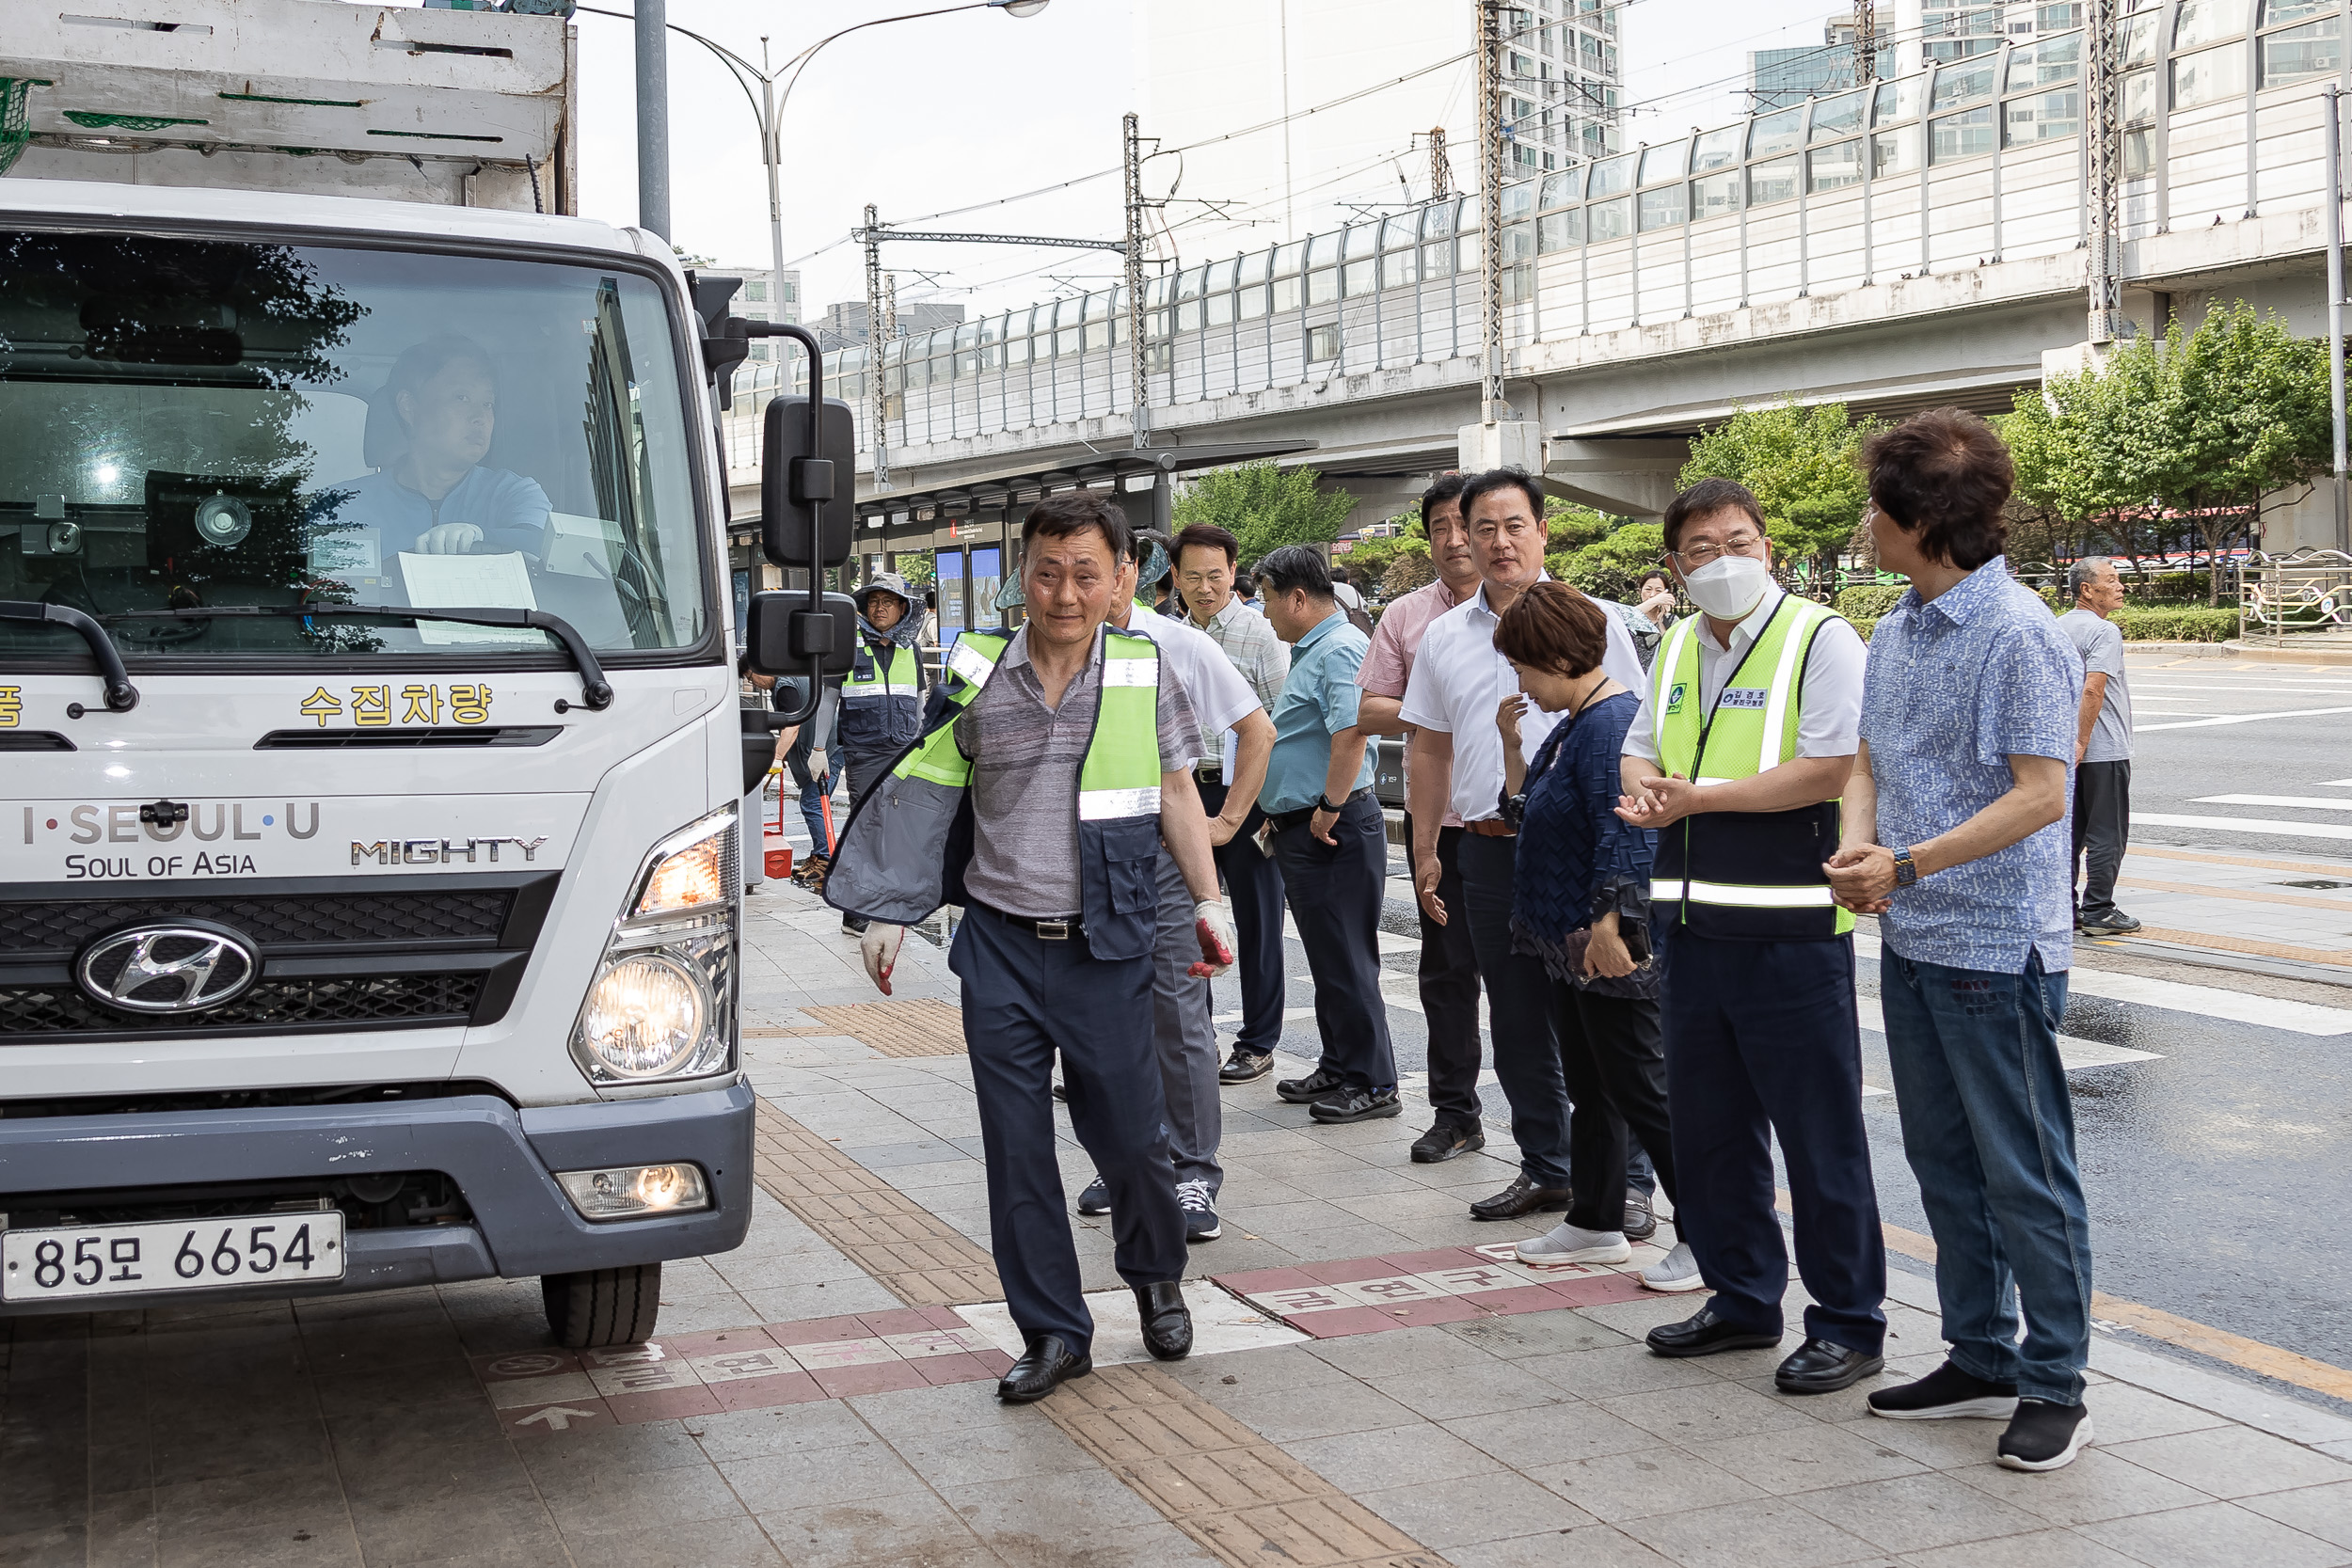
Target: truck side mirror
point(783, 634)
point(807, 498)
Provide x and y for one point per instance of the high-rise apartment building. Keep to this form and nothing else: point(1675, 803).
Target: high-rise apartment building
point(1958, 29)
point(1208, 67)
point(764, 296)
point(1778, 78)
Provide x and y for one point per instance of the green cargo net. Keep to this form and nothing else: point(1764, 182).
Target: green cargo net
point(91, 119)
point(14, 93)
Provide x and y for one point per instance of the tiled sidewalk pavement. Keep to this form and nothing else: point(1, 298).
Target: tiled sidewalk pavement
point(1515, 1434)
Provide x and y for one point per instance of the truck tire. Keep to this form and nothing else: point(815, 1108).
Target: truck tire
point(602, 1306)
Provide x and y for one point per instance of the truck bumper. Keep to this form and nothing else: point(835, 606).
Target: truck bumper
point(504, 1159)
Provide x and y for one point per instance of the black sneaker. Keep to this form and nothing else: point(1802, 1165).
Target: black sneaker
point(1096, 1199)
point(1945, 1394)
point(1315, 1087)
point(852, 925)
point(2114, 924)
point(1245, 1067)
point(1640, 1223)
point(1356, 1102)
point(1444, 1141)
point(2043, 1436)
point(1200, 1220)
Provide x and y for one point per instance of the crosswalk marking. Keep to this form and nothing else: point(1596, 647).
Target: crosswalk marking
point(2073, 1051)
point(2301, 802)
point(2242, 825)
point(2240, 719)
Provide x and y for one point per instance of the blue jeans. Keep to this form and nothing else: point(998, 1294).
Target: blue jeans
point(1990, 1133)
point(813, 814)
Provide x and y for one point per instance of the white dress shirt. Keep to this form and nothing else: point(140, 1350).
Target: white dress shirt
point(1459, 680)
point(1220, 697)
point(1829, 695)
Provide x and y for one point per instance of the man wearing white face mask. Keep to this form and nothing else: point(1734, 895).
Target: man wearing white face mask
point(1745, 740)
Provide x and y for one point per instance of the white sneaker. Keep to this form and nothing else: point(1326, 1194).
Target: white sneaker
point(1675, 1271)
point(1565, 1243)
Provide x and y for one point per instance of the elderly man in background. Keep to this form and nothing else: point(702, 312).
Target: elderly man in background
point(1449, 965)
point(2103, 746)
point(1205, 556)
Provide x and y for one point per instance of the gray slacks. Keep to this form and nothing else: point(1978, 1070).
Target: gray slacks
point(1183, 1038)
point(2103, 826)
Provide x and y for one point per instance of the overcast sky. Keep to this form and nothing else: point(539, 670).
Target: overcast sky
point(924, 116)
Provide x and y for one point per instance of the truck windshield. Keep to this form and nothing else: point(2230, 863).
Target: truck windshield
point(190, 424)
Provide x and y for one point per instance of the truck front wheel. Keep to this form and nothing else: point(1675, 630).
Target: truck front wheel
point(602, 1306)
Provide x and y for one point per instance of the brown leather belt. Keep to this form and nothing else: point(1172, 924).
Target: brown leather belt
point(1491, 827)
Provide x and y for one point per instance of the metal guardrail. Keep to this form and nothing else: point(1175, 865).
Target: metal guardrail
point(2290, 598)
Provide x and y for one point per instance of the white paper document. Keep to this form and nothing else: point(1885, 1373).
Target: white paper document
point(471, 582)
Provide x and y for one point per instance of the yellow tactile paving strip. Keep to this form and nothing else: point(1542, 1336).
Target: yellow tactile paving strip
point(1237, 1495)
point(916, 1256)
point(923, 1028)
point(1229, 1489)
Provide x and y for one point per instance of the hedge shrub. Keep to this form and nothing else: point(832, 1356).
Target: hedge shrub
point(1871, 600)
point(2187, 625)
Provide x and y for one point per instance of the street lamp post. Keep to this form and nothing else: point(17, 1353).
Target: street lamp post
point(653, 119)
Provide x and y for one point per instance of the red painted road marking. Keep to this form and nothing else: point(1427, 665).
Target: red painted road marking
point(1365, 1295)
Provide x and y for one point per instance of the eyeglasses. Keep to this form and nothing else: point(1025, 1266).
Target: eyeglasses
point(1701, 554)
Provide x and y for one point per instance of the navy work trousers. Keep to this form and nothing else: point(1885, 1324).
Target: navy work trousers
point(1025, 999)
point(1449, 991)
point(1255, 882)
point(1761, 1039)
point(1334, 894)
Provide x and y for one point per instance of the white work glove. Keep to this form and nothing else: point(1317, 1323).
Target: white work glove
point(448, 539)
point(879, 948)
point(816, 764)
point(1213, 923)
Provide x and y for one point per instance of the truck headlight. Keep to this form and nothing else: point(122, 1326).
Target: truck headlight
point(659, 1006)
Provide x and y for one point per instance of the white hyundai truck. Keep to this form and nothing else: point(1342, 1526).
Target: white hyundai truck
point(369, 891)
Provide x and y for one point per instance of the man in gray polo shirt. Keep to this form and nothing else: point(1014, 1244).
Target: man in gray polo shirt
point(2103, 746)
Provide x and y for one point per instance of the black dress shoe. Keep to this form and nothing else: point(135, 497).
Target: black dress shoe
point(1824, 1366)
point(1044, 1367)
point(1640, 1223)
point(1705, 1335)
point(1444, 1141)
point(1166, 1320)
point(1521, 1198)
point(1307, 1090)
point(1357, 1103)
point(1245, 1067)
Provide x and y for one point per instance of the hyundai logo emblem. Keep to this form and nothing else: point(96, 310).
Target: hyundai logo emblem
point(184, 968)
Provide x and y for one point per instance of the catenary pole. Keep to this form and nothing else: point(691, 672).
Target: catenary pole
point(2103, 157)
point(2335, 308)
point(1139, 388)
point(1492, 408)
point(653, 115)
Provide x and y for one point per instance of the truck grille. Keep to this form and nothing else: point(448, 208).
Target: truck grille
point(67, 924)
point(337, 953)
point(359, 1001)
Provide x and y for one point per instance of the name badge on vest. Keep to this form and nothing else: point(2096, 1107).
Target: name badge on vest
point(1742, 696)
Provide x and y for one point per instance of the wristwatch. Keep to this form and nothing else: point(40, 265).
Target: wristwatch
point(1322, 802)
point(1906, 873)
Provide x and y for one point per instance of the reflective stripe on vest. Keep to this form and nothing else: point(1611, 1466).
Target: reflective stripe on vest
point(935, 758)
point(1742, 897)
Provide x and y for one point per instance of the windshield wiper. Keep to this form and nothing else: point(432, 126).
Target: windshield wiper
point(121, 696)
point(596, 692)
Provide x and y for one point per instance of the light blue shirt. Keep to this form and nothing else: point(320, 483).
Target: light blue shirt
point(1318, 700)
point(1956, 687)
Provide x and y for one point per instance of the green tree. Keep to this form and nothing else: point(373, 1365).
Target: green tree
point(1609, 568)
point(1265, 506)
point(1801, 463)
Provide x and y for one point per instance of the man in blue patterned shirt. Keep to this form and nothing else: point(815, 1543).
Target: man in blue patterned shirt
point(1955, 834)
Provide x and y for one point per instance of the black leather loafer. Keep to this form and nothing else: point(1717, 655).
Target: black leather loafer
point(1824, 1366)
point(1521, 1198)
point(1245, 1067)
point(1705, 1335)
point(1307, 1090)
point(1166, 1320)
point(1640, 1223)
point(1046, 1366)
point(1444, 1141)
